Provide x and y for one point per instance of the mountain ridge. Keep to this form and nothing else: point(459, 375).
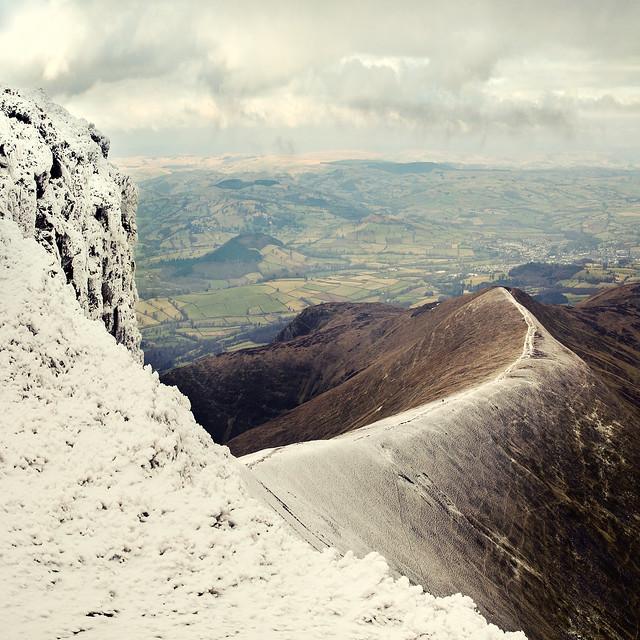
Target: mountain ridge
point(460, 347)
point(336, 348)
point(604, 330)
point(522, 490)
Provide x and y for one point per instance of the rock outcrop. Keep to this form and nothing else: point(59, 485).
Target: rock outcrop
point(56, 183)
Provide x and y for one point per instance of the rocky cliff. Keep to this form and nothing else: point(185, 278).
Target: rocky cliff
point(56, 183)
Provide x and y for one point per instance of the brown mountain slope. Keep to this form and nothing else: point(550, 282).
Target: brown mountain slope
point(233, 392)
point(604, 330)
point(441, 351)
point(523, 493)
point(349, 365)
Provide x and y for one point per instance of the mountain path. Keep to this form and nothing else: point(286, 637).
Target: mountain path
point(528, 348)
point(410, 415)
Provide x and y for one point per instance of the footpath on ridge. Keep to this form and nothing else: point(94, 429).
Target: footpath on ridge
point(485, 491)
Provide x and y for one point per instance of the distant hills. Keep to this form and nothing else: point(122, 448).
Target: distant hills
point(234, 259)
point(242, 248)
point(236, 184)
point(554, 282)
point(398, 168)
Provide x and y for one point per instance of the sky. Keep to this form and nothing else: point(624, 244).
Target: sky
point(203, 77)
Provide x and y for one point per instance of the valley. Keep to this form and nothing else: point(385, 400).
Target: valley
point(229, 253)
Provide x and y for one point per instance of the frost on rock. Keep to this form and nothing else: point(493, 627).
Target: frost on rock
point(56, 183)
point(120, 517)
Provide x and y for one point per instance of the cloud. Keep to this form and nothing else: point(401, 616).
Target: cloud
point(609, 105)
point(455, 67)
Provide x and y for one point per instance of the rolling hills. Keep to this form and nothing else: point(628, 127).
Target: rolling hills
point(360, 229)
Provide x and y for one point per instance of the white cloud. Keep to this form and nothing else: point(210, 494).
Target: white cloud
point(462, 67)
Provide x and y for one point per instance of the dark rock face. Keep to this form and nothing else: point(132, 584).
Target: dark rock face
point(56, 184)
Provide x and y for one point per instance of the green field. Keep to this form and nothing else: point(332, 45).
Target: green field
point(355, 231)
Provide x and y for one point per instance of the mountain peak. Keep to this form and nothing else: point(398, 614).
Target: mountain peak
point(339, 366)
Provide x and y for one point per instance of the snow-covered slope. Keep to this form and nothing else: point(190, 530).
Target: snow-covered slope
point(121, 519)
point(56, 183)
point(504, 491)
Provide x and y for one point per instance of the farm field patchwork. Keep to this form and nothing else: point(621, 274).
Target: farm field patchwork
point(219, 266)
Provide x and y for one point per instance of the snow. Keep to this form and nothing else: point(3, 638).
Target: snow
point(425, 476)
point(57, 185)
point(120, 518)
